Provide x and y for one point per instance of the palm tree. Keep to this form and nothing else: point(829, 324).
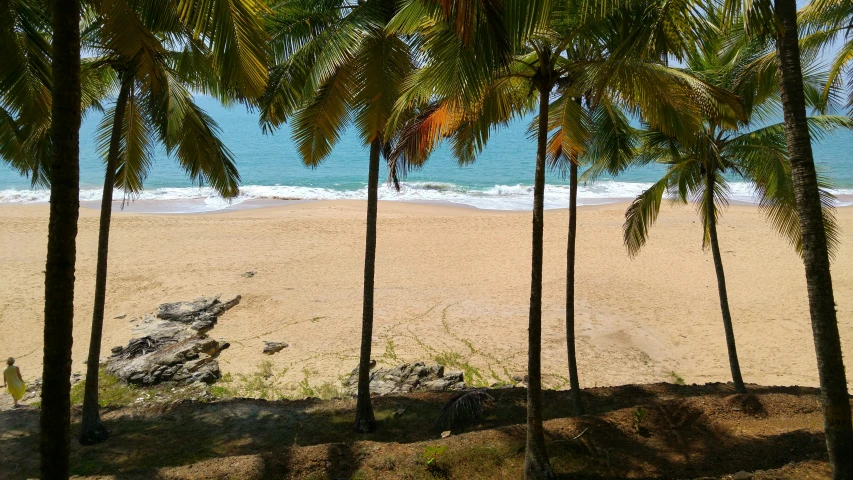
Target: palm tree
point(833, 380)
point(55, 422)
point(701, 168)
point(335, 65)
point(701, 171)
point(540, 66)
point(154, 105)
point(778, 20)
point(602, 140)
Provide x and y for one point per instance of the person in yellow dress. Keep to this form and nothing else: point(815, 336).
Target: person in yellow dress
point(13, 380)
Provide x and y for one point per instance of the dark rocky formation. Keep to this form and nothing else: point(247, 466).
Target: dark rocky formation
point(173, 345)
point(273, 347)
point(407, 378)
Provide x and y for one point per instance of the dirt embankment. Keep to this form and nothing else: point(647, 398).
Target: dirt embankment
point(633, 431)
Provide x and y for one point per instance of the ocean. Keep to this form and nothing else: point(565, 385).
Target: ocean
point(271, 170)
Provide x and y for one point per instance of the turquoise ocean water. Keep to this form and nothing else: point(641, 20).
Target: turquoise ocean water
point(270, 169)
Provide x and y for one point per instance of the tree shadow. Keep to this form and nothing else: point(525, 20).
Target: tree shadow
point(295, 437)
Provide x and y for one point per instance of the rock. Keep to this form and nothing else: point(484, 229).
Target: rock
point(445, 434)
point(406, 378)
point(172, 346)
point(203, 325)
point(274, 347)
point(249, 274)
point(439, 385)
point(119, 317)
point(459, 386)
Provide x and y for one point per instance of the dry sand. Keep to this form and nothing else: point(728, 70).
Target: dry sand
point(451, 283)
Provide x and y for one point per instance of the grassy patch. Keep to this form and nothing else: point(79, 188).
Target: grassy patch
point(390, 352)
point(112, 392)
point(676, 378)
point(454, 361)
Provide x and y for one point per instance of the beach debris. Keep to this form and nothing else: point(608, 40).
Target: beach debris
point(407, 378)
point(274, 347)
point(249, 274)
point(173, 345)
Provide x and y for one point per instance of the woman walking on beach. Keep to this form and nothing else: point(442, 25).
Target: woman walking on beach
point(13, 381)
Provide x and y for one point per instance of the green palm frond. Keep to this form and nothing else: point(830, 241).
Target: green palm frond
point(25, 84)
point(318, 125)
point(757, 16)
point(96, 85)
point(293, 24)
point(203, 156)
point(25, 78)
point(136, 143)
point(614, 142)
point(641, 215)
point(233, 30)
point(194, 65)
point(666, 98)
point(192, 137)
point(12, 144)
point(761, 158)
point(383, 63)
point(125, 35)
point(571, 118)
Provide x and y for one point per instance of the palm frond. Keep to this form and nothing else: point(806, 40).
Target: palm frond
point(465, 406)
point(641, 215)
point(136, 143)
point(234, 32)
point(614, 142)
point(383, 63)
point(317, 126)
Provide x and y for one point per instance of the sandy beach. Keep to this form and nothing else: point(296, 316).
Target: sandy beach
point(451, 283)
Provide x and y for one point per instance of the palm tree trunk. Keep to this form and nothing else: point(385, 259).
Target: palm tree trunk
point(92, 429)
point(364, 419)
point(833, 382)
point(570, 289)
point(55, 421)
point(536, 463)
point(721, 286)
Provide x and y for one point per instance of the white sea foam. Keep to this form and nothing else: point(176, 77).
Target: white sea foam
point(498, 197)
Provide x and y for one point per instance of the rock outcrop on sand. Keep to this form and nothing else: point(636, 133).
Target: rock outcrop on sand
point(274, 347)
point(407, 378)
point(173, 345)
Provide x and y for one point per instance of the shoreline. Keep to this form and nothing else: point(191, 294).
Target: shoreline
point(451, 283)
point(191, 200)
point(196, 206)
